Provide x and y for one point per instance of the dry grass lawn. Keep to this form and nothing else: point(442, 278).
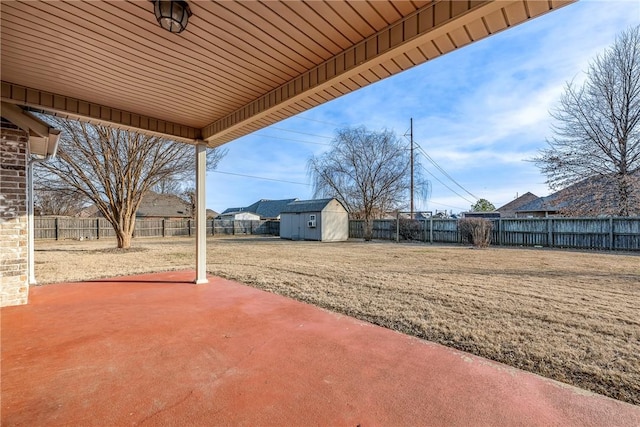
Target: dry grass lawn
point(567, 315)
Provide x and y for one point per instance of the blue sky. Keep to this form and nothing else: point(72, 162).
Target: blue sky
point(480, 112)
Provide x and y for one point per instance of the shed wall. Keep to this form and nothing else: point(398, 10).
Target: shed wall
point(286, 226)
point(335, 223)
point(294, 226)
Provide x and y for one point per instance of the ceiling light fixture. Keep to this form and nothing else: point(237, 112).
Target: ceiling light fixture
point(172, 15)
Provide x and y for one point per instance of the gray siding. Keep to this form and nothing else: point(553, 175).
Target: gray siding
point(294, 226)
point(332, 221)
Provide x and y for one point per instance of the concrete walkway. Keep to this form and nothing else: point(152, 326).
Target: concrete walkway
point(156, 350)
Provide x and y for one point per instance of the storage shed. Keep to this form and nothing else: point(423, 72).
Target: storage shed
point(325, 220)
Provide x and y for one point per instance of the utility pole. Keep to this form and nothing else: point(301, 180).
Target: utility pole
point(411, 133)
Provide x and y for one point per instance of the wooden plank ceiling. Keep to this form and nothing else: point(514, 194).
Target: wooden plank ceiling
point(239, 66)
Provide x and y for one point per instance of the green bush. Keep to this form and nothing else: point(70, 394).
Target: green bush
point(476, 231)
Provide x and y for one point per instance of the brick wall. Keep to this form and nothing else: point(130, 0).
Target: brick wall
point(13, 216)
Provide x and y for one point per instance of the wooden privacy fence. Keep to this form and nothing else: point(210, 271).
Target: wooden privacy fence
point(615, 233)
point(583, 233)
point(60, 228)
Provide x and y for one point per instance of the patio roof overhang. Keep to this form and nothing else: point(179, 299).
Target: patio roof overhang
point(238, 67)
point(43, 139)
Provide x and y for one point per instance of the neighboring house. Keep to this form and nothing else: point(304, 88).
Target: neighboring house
point(264, 208)
point(165, 206)
point(153, 205)
point(230, 210)
point(88, 212)
point(542, 207)
point(239, 216)
point(211, 214)
point(509, 210)
point(423, 215)
point(593, 196)
point(325, 220)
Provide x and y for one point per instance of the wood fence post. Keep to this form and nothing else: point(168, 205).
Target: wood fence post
point(500, 232)
point(431, 229)
point(611, 235)
point(55, 225)
point(97, 228)
point(398, 227)
point(549, 232)
point(164, 228)
point(189, 227)
point(424, 231)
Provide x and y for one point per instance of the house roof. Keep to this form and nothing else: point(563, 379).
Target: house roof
point(162, 205)
point(541, 204)
point(231, 210)
point(234, 213)
point(269, 208)
point(239, 65)
point(152, 205)
point(591, 196)
point(301, 206)
point(263, 207)
point(517, 203)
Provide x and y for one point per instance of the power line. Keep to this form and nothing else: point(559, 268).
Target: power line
point(315, 120)
point(434, 163)
point(450, 189)
point(301, 133)
point(449, 206)
point(260, 177)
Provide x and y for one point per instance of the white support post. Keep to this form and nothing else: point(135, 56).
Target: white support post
point(201, 214)
point(30, 227)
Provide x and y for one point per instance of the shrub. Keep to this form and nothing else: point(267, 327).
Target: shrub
point(476, 231)
point(410, 229)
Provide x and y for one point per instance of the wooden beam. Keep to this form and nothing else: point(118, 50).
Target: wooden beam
point(73, 108)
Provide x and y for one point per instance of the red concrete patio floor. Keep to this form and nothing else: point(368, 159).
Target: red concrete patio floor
point(156, 350)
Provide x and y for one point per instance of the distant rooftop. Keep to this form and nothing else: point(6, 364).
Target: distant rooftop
point(264, 207)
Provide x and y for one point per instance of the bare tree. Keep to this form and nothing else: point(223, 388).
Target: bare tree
point(115, 169)
point(65, 203)
point(596, 144)
point(169, 186)
point(368, 172)
point(189, 197)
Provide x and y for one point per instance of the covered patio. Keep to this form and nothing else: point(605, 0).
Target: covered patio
point(236, 67)
point(153, 350)
point(156, 350)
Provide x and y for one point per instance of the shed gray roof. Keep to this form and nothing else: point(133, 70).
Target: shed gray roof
point(300, 206)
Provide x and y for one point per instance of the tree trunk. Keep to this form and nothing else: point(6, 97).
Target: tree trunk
point(124, 232)
point(624, 191)
point(124, 239)
point(368, 229)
